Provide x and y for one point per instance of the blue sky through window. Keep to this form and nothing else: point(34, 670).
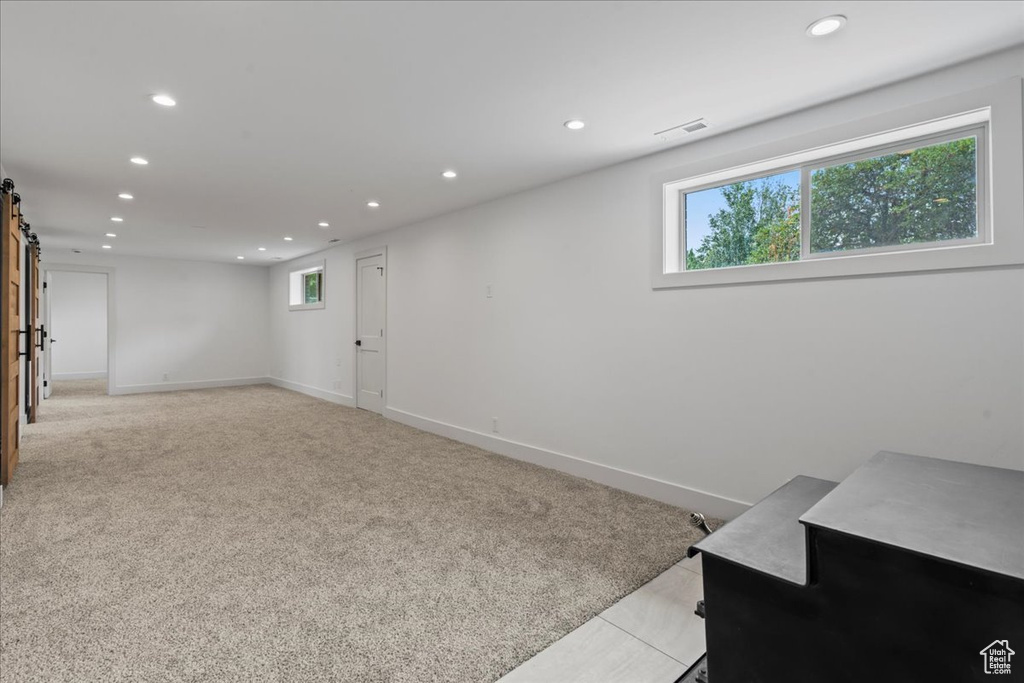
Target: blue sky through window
point(701, 206)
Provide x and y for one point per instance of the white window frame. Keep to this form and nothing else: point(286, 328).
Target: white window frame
point(321, 267)
point(993, 112)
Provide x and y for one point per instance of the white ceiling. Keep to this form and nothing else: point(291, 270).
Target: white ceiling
point(290, 113)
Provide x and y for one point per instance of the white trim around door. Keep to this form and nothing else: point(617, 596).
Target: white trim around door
point(48, 268)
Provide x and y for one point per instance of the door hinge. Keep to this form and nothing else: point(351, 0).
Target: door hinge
point(382, 393)
point(45, 383)
point(44, 284)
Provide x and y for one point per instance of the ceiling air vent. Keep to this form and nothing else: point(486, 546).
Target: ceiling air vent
point(681, 130)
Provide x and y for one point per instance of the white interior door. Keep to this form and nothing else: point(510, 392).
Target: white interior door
point(47, 381)
point(370, 316)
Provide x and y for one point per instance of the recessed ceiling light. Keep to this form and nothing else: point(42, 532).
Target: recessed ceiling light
point(574, 124)
point(373, 204)
point(110, 234)
point(107, 246)
point(117, 219)
point(139, 160)
point(126, 195)
point(164, 100)
point(324, 224)
point(261, 248)
point(449, 174)
point(287, 239)
point(240, 258)
point(827, 25)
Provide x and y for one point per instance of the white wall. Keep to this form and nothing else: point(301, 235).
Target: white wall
point(78, 321)
point(729, 391)
point(201, 324)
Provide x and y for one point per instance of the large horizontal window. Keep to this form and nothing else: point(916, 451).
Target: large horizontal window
point(922, 193)
point(927, 186)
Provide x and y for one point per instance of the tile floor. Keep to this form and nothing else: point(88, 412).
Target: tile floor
point(650, 636)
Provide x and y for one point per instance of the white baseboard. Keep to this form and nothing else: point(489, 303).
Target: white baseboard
point(58, 376)
point(692, 499)
point(332, 396)
point(185, 386)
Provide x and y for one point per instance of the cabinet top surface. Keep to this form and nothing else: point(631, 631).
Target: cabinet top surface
point(768, 537)
point(966, 514)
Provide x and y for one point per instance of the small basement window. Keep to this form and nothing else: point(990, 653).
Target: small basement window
point(306, 288)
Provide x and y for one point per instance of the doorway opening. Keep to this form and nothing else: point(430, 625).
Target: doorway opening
point(77, 305)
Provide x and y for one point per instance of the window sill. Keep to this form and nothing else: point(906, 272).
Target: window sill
point(923, 260)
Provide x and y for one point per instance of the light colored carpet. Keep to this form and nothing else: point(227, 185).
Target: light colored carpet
point(256, 534)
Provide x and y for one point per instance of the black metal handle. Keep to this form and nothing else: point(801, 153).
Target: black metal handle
point(359, 342)
point(42, 337)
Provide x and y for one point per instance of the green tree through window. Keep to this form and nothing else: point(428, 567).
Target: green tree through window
point(311, 288)
point(924, 195)
point(758, 222)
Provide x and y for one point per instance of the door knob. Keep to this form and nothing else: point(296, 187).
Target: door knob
point(359, 342)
